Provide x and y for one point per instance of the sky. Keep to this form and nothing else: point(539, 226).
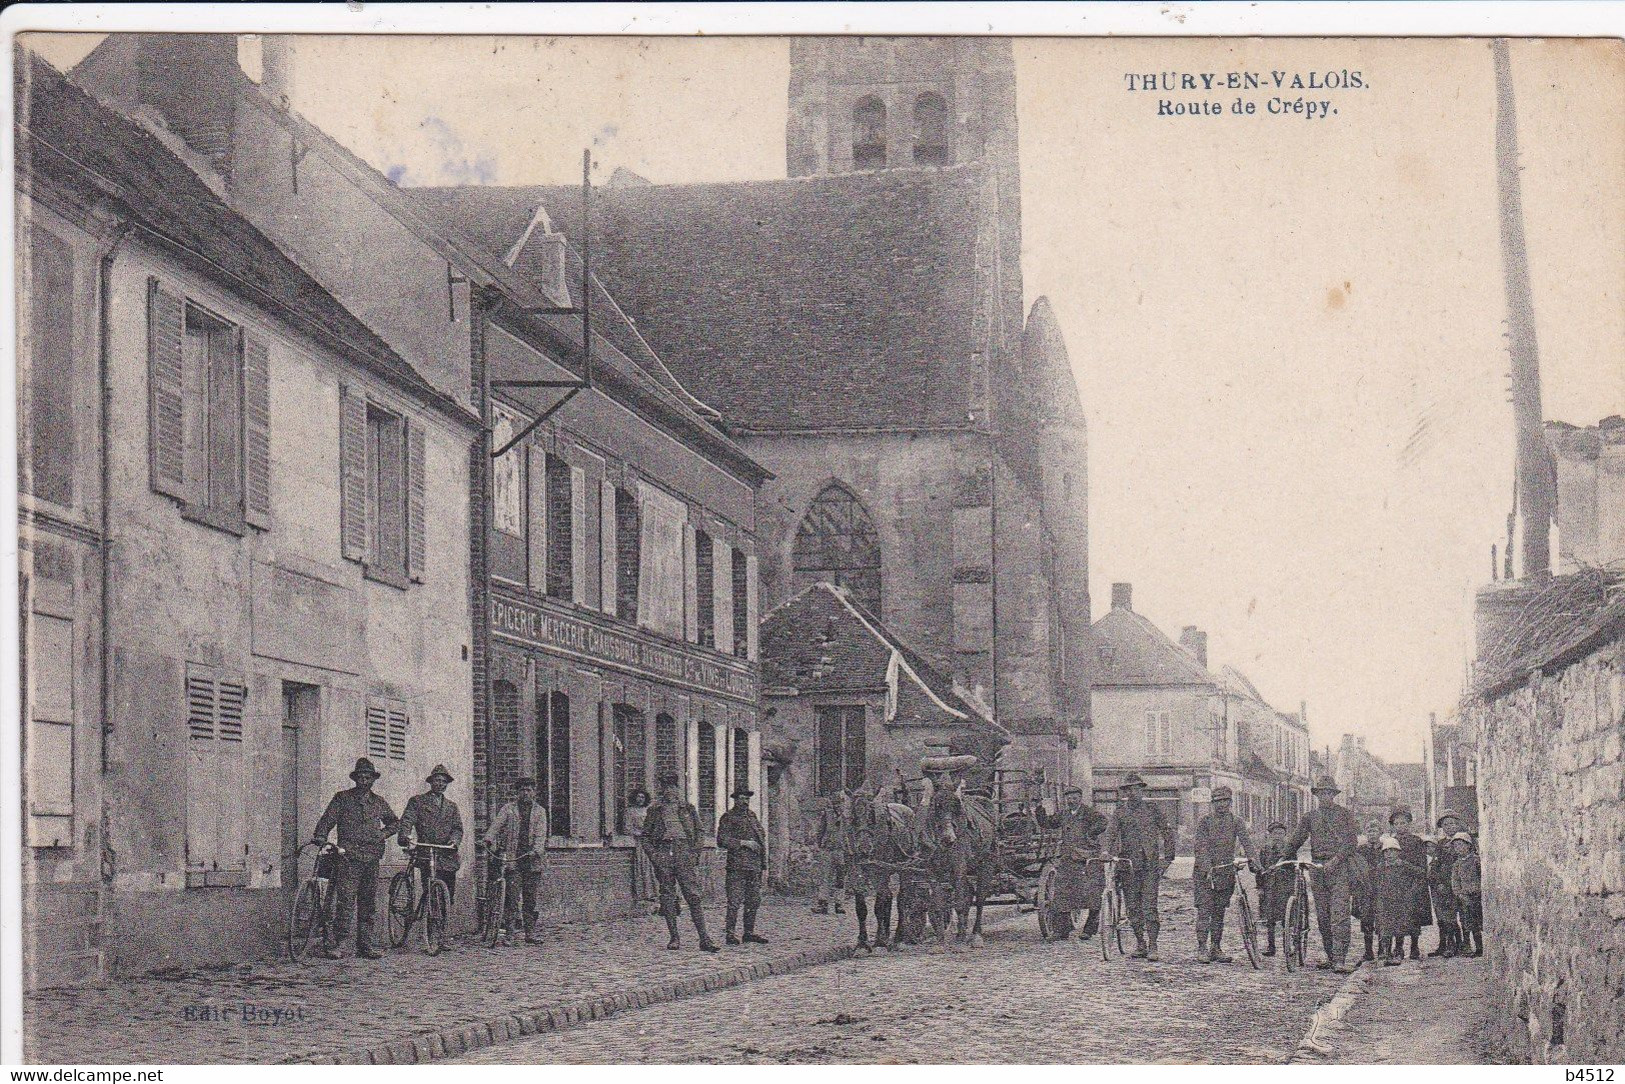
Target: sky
point(1287, 332)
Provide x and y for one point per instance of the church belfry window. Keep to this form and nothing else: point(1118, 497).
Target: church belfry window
point(837, 543)
point(930, 130)
point(869, 134)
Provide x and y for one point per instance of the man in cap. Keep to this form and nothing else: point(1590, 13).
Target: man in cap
point(1137, 833)
point(672, 831)
point(364, 821)
point(436, 820)
point(1213, 876)
point(1078, 882)
point(1332, 836)
point(519, 835)
point(740, 834)
point(1413, 849)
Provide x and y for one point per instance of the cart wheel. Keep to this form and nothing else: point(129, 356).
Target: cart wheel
point(1044, 899)
point(1249, 928)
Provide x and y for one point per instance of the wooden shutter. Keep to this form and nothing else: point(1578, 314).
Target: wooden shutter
point(578, 536)
point(753, 617)
point(722, 580)
point(256, 433)
point(216, 780)
point(353, 474)
point(536, 528)
point(608, 553)
point(417, 537)
point(377, 730)
point(166, 436)
point(691, 609)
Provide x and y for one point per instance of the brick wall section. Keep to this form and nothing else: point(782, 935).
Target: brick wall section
point(1551, 784)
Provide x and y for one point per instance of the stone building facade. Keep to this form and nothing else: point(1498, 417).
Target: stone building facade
point(860, 328)
point(282, 502)
point(1551, 792)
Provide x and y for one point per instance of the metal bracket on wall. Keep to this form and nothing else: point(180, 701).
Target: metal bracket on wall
point(452, 281)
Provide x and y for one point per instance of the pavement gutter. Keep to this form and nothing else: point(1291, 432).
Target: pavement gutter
point(1327, 1017)
point(456, 1039)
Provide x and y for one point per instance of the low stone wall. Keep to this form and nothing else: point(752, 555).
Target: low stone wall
point(1552, 806)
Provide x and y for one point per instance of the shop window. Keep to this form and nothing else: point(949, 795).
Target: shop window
point(707, 783)
point(837, 542)
point(49, 377)
point(553, 759)
point(931, 138)
point(630, 770)
point(840, 752)
point(869, 133)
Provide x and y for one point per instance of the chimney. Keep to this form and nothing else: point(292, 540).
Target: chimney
point(1122, 596)
point(276, 67)
point(539, 256)
point(1194, 640)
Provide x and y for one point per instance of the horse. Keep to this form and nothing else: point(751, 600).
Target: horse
point(962, 833)
point(884, 837)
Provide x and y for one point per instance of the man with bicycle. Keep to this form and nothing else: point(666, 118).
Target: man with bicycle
point(1138, 835)
point(436, 821)
point(364, 821)
point(1214, 873)
point(1332, 836)
point(518, 837)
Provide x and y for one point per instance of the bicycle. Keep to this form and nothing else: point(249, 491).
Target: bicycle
point(312, 912)
point(493, 910)
point(1295, 930)
point(429, 909)
point(1244, 912)
point(1112, 907)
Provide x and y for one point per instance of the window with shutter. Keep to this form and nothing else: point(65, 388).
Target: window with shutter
point(631, 751)
point(166, 430)
point(560, 530)
point(417, 504)
point(387, 724)
point(49, 749)
point(741, 608)
point(215, 432)
point(536, 536)
point(256, 432)
point(608, 549)
point(707, 774)
point(753, 611)
point(705, 591)
point(49, 378)
point(553, 759)
point(628, 554)
point(216, 825)
point(722, 582)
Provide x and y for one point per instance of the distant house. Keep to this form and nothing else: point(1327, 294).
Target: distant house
point(847, 704)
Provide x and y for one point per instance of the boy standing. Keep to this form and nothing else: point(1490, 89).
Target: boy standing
point(1274, 885)
point(1467, 887)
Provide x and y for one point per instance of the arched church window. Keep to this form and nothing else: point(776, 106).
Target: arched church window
point(930, 130)
point(837, 543)
point(869, 133)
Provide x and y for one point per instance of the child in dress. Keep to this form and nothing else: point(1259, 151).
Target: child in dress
point(1395, 883)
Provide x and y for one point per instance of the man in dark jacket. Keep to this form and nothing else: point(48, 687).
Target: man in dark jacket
point(1078, 882)
point(435, 819)
point(1137, 833)
point(672, 832)
point(740, 834)
point(1331, 834)
point(1213, 873)
point(364, 821)
point(1413, 849)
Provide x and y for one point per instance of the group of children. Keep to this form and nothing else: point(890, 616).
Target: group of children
point(1403, 882)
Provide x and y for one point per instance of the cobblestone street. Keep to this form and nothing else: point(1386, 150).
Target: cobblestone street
point(336, 1007)
point(1431, 1012)
point(1017, 999)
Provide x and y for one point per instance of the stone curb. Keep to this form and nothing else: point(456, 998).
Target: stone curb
point(456, 1039)
point(1308, 1051)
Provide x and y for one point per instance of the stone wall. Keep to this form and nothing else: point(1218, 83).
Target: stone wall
point(1552, 802)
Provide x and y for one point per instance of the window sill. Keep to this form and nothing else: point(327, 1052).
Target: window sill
point(387, 576)
point(217, 879)
point(231, 523)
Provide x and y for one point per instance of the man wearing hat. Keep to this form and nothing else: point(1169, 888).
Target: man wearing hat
point(1213, 876)
point(1332, 836)
point(1414, 850)
point(1137, 833)
point(1445, 905)
point(1079, 884)
point(437, 820)
point(364, 821)
point(519, 834)
point(740, 834)
point(672, 831)
point(1274, 885)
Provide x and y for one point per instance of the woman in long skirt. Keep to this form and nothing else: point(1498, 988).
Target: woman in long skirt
point(644, 885)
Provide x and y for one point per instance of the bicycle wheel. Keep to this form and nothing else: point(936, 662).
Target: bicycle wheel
point(1108, 923)
point(436, 913)
point(496, 908)
point(1292, 932)
point(304, 920)
point(402, 908)
point(1249, 928)
point(1117, 927)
